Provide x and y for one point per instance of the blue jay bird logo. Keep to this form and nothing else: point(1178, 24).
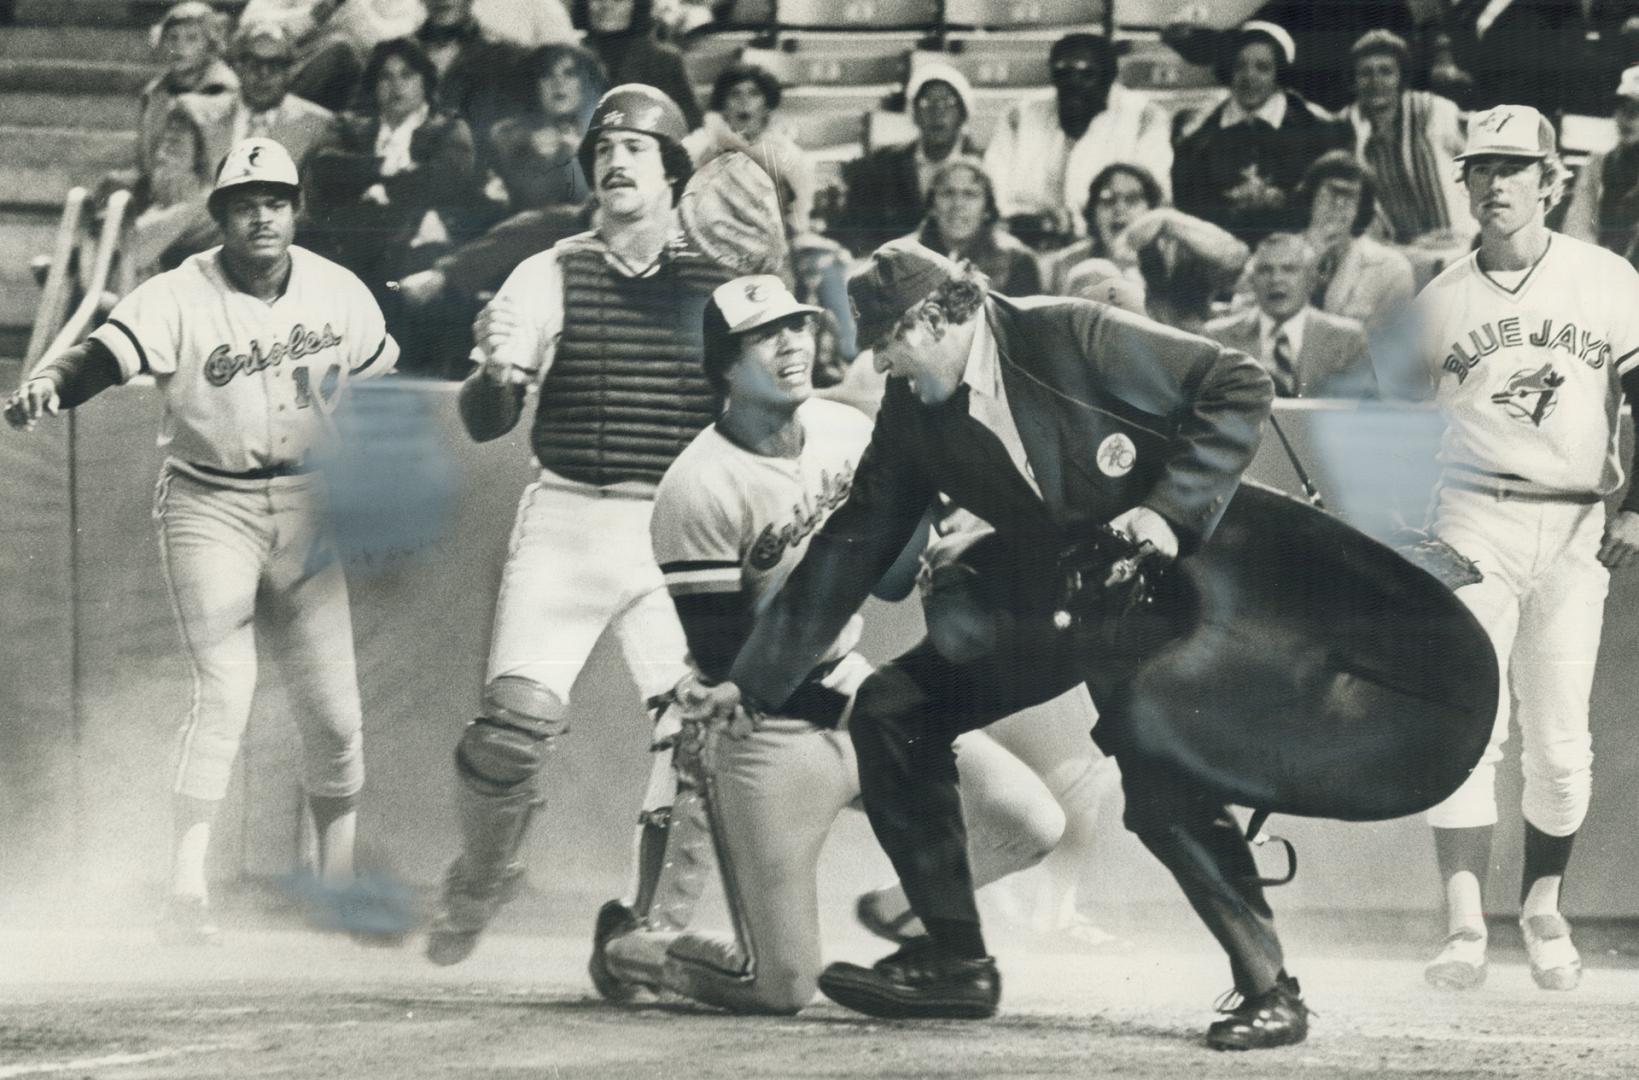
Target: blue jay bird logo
point(1530, 396)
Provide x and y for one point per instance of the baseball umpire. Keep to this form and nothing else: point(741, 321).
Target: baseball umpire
point(1047, 419)
point(606, 326)
point(252, 345)
point(1528, 345)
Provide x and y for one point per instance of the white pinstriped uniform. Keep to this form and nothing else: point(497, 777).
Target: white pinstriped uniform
point(248, 387)
point(1527, 371)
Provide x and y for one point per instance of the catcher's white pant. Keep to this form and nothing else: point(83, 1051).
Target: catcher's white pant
point(1543, 604)
point(247, 556)
point(580, 562)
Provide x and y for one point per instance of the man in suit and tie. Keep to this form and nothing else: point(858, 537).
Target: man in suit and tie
point(1049, 419)
point(1307, 352)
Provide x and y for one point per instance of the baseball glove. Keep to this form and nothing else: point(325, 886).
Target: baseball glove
point(731, 212)
point(1437, 558)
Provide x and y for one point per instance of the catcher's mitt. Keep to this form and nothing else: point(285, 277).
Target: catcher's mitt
point(731, 212)
point(1437, 558)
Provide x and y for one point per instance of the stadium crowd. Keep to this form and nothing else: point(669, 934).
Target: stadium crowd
point(438, 142)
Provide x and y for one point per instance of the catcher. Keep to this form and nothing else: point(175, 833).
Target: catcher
point(604, 328)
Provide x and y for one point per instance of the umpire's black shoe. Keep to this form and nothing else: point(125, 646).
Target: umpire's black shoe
point(1276, 1017)
point(919, 981)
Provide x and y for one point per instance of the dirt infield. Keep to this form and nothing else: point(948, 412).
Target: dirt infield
point(112, 1005)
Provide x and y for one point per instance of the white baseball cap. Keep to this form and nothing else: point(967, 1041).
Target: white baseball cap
point(756, 300)
point(1509, 131)
point(256, 161)
point(1629, 86)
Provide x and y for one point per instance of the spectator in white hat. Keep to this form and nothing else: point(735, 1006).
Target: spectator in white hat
point(1604, 206)
point(1239, 167)
point(888, 187)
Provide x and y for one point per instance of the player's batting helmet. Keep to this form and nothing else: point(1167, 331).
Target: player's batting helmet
point(640, 108)
point(255, 161)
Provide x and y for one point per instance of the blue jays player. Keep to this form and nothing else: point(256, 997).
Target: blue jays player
point(733, 514)
point(251, 345)
point(1530, 344)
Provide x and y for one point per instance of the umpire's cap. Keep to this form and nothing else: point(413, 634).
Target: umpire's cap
point(255, 161)
point(633, 107)
point(901, 274)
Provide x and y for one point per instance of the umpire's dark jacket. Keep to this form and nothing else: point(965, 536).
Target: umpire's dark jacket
point(1113, 410)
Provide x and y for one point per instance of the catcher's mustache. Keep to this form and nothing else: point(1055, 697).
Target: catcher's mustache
point(617, 179)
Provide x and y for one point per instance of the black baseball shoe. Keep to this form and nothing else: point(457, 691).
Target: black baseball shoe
point(465, 908)
point(614, 920)
point(919, 981)
point(1276, 1017)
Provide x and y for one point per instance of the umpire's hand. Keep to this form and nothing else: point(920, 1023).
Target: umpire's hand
point(32, 400)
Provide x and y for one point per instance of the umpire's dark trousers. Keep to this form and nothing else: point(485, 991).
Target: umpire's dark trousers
point(991, 651)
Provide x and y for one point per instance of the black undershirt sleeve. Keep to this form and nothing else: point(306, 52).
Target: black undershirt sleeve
point(83, 372)
point(716, 625)
point(1630, 387)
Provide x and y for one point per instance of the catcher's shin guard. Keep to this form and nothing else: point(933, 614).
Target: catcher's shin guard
point(687, 857)
point(497, 762)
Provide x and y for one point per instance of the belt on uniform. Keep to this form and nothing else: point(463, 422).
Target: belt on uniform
point(1503, 490)
point(815, 702)
point(267, 472)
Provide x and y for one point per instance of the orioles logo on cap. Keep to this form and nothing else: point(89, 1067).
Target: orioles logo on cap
point(754, 292)
point(1495, 120)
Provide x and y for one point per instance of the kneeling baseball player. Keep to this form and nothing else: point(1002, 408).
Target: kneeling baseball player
point(732, 515)
point(251, 345)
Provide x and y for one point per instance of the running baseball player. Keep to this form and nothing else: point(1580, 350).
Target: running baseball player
point(606, 326)
point(732, 516)
point(1528, 346)
point(252, 345)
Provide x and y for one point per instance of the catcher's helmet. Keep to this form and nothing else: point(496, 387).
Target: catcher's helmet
point(633, 107)
point(255, 161)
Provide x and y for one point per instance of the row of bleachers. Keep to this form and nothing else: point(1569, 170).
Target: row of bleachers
point(913, 14)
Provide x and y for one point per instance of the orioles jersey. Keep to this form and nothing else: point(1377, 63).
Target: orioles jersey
point(1527, 367)
point(248, 384)
point(728, 520)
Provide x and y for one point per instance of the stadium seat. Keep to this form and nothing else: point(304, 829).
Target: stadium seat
point(855, 63)
point(990, 61)
point(857, 14)
point(1023, 14)
point(748, 14)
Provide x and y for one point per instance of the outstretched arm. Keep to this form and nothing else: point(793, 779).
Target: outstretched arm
point(72, 379)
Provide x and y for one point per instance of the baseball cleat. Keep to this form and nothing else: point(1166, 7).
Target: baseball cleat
point(1460, 964)
point(614, 920)
point(871, 918)
point(186, 920)
point(1276, 1017)
point(920, 981)
point(465, 909)
point(1555, 964)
